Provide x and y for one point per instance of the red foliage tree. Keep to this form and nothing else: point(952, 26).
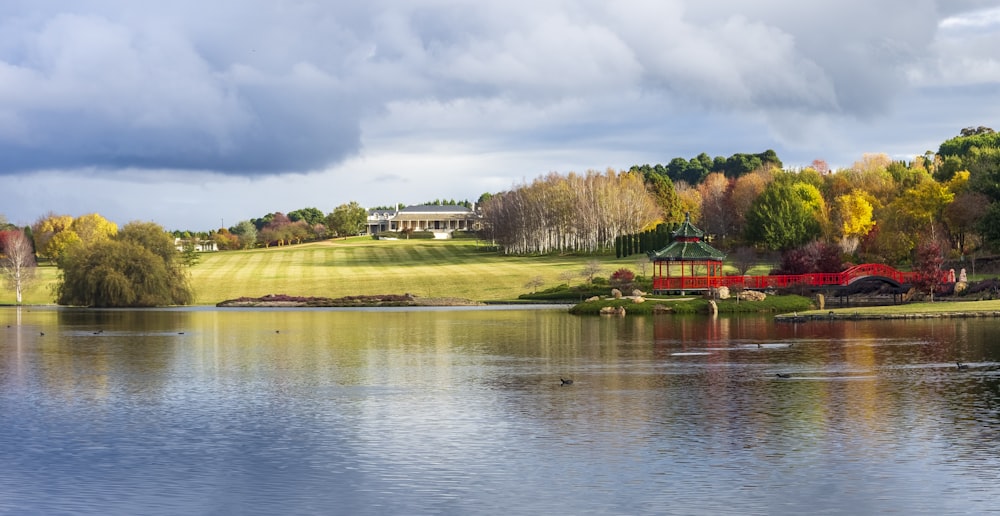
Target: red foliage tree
point(622, 279)
point(813, 257)
point(927, 265)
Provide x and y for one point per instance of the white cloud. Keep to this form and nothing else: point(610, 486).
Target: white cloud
point(437, 97)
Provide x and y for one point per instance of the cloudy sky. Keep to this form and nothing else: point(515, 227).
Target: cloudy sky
point(195, 114)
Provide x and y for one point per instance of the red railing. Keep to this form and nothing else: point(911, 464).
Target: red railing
point(788, 280)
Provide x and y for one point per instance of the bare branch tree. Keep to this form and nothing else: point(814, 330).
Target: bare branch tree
point(534, 283)
point(17, 261)
point(744, 259)
point(591, 269)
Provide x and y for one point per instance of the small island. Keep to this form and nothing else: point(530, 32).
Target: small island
point(384, 300)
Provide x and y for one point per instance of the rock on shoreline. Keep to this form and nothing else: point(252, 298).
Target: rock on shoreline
point(383, 300)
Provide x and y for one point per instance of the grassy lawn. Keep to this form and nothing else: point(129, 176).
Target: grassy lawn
point(358, 266)
point(40, 291)
point(937, 307)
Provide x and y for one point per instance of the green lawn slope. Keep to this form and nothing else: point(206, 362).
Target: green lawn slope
point(362, 266)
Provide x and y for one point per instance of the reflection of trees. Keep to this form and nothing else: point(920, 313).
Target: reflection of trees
point(104, 352)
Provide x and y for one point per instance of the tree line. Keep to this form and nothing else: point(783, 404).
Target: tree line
point(876, 210)
point(572, 212)
point(99, 264)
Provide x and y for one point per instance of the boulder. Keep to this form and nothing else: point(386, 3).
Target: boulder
point(662, 309)
point(593, 298)
point(613, 310)
point(752, 295)
point(615, 293)
point(638, 299)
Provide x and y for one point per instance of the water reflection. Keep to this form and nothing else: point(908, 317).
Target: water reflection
point(429, 411)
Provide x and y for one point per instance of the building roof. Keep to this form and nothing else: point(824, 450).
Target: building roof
point(687, 246)
point(437, 209)
point(687, 251)
point(687, 229)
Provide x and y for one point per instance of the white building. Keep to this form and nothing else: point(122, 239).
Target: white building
point(441, 220)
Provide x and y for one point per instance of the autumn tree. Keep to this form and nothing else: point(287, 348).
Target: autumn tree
point(17, 261)
point(924, 204)
point(690, 200)
point(744, 192)
point(816, 256)
point(224, 240)
point(927, 265)
point(93, 228)
point(821, 166)
point(274, 230)
point(716, 208)
point(46, 229)
point(852, 213)
point(56, 235)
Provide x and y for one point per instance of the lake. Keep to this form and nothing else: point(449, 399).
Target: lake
point(462, 411)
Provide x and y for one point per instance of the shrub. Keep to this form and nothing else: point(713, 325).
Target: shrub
point(622, 279)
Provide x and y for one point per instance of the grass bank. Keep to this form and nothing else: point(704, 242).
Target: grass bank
point(362, 266)
point(697, 305)
point(987, 308)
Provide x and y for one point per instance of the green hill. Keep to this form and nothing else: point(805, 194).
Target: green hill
point(360, 266)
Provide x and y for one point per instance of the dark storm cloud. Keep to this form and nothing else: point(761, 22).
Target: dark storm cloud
point(262, 87)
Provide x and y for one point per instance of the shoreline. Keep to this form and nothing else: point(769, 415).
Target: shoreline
point(368, 301)
point(934, 310)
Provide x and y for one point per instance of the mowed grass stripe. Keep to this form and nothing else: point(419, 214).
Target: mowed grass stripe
point(364, 266)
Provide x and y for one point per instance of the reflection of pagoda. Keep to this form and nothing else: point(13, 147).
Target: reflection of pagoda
point(687, 263)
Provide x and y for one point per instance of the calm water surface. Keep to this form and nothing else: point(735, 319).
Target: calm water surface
point(208, 411)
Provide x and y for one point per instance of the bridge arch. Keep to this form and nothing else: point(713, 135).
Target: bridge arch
point(873, 278)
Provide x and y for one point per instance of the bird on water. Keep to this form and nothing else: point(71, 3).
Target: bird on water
point(961, 365)
point(783, 375)
point(566, 381)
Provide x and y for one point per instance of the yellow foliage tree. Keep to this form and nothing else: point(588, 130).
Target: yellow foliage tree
point(924, 204)
point(93, 228)
point(853, 215)
point(45, 230)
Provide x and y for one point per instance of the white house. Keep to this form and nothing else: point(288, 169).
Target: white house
point(441, 220)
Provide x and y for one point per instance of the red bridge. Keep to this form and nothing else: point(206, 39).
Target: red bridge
point(875, 271)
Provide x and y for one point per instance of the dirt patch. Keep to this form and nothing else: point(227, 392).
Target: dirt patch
point(384, 300)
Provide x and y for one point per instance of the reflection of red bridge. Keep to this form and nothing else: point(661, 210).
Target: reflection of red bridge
point(867, 271)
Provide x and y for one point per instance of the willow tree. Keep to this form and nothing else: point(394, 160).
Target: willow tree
point(139, 267)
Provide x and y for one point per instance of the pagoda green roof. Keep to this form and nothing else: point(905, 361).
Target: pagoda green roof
point(687, 251)
point(688, 230)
